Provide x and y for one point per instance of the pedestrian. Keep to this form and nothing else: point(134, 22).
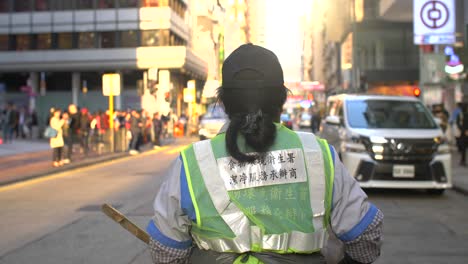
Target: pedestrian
point(57, 142)
point(454, 126)
point(10, 120)
point(157, 128)
point(14, 122)
point(183, 119)
point(136, 127)
point(22, 130)
point(462, 124)
point(259, 192)
point(74, 120)
point(440, 112)
point(85, 127)
point(34, 125)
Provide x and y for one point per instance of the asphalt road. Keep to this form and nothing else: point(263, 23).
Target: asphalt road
point(57, 219)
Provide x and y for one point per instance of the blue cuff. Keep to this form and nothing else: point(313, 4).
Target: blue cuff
point(154, 232)
point(332, 153)
point(185, 198)
point(333, 159)
point(361, 227)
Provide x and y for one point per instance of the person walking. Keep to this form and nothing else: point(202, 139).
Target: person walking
point(57, 142)
point(136, 127)
point(5, 123)
point(462, 124)
point(84, 131)
point(456, 133)
point(259, 192)
point(74, 123)
point(10, 122)
point(157, 129)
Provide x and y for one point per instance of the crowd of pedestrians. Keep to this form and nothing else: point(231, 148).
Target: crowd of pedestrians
point(17, 122)
point(132, 129)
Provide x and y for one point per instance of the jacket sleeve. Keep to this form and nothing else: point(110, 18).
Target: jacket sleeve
point(170, 225)
point(354, 220)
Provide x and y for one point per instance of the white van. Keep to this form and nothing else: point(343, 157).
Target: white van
point(388, 142)
point(212, 121)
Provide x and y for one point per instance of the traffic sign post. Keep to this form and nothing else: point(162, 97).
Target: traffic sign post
point(111, 87)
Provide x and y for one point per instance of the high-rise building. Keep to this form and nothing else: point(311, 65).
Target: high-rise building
point(256, 21)
point(54, 52)
point(363, 51)
point(221, 26)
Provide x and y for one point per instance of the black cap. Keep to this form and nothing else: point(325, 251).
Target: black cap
point(253, 58)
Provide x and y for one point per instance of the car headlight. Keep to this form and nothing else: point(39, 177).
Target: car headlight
point(352, 143)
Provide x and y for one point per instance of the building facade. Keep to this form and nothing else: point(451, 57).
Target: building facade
point(55, 52)
point(369, 47)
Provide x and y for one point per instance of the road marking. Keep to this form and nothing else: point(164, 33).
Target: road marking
point(178, 149)
point(68, 172)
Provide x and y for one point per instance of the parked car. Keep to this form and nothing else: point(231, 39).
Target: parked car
point(286, 120)
point(212, 121)
point(388, 142)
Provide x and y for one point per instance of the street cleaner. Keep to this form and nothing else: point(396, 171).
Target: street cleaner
point(259, 192)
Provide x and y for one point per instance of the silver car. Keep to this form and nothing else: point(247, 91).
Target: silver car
point(388, 142)
point(212, 121)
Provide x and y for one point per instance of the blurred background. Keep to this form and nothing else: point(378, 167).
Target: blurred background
point(54, 53)
point(140, 77)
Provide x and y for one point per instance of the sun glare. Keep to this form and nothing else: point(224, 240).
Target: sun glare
point(284, 33)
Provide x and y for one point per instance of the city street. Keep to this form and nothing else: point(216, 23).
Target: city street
point(57, 219)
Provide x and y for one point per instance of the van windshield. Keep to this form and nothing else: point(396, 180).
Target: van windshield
point(388, 114)
point(215, 112)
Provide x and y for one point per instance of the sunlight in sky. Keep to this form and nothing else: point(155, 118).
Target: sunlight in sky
point(284, 34)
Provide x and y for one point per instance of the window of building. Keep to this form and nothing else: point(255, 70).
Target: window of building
point(23, 42)
point(107, 40)
point(178, 7)
point(61, 5)
point(150, 38)
point(84, 4)
point(86, 40)
point(43, 41)
point(42, 5)
point(22, 6)
point(4, 40)
point(164, 37)
point(93, 80)
point(128, 39)
point(4, 6)
point(65, 40)
point(128, 3)
point(151, 3)
point(105, 4)
point(55, 81)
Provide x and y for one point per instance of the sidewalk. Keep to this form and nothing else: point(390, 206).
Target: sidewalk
point(460, 174)
point(27, 159)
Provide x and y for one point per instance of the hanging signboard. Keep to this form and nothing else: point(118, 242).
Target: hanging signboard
point(434, 22)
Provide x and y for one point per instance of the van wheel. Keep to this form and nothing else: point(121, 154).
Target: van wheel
point(436, 191)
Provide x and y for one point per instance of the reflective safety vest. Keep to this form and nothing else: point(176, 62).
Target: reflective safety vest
point(280, 203)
